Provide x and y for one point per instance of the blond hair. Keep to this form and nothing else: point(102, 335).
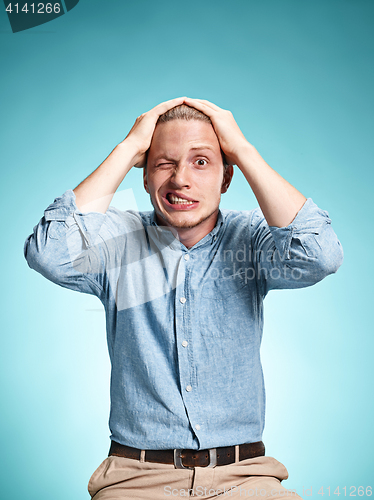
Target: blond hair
point(183, 112)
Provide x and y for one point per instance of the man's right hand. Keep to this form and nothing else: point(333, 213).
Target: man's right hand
point(95, 193)
point(140, 136)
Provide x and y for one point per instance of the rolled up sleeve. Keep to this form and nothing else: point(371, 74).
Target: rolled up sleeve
point(298, 255)
point(60, 246)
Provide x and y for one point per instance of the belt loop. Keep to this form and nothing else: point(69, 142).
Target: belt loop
point(236, 453)
point(142, 456)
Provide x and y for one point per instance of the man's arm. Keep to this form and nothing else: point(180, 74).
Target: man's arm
point(95, 193)
point(72, 248)
point(278, 199)
point(286, 255)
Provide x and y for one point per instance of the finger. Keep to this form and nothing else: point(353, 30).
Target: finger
point(205, 102)
point(194, 103)
point(165, 106)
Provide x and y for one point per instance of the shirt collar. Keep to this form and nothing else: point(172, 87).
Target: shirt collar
point(211, 237)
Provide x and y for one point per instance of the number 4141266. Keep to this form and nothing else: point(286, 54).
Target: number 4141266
point(353, 491)
point(40, 8)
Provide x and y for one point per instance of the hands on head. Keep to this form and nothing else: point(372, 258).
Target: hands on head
point(229, 134)
point(96, 191)
point(278, 199)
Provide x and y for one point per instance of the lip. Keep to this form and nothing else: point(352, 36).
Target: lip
point(179, 206)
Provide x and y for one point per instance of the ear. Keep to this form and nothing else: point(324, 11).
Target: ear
point(145, 182)
point(227, 176)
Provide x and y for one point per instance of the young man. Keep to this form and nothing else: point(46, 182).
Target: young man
point(183, 289)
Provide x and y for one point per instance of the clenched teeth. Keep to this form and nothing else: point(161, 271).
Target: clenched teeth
point(176, 200)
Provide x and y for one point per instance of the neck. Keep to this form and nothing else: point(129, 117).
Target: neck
point(189, 236)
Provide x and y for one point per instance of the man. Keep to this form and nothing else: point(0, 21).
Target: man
point(183, 289)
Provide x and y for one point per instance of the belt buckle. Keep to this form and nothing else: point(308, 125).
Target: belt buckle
point(178, 463)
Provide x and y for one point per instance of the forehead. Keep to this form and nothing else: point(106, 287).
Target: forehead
point(180, 136)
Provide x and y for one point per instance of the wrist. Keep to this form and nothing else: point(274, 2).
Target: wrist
point(130, 151)
point(243, 152)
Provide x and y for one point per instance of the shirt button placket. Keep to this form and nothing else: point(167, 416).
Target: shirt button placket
point(184, 343)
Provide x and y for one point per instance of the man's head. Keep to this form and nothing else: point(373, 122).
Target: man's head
point(185, 172)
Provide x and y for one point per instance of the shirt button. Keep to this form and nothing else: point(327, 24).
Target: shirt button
point(182, 300)
point(188, 388)
point(197, 427)
point(186, 257)
point(184, 343)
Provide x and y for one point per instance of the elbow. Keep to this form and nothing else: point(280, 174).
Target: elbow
point(328, 252)
point(338, 257)
point(30, 252)
point(38, 260)
point(34, 247)
point(330, 260)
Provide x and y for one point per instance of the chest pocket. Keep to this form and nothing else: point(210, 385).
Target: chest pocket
point(225, 309)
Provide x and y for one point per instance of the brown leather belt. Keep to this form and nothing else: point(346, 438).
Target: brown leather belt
point(188, 459)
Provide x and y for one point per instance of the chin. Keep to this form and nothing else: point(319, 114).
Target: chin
point(188, 223)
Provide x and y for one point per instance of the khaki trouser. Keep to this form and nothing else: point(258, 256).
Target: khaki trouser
point(256, 478)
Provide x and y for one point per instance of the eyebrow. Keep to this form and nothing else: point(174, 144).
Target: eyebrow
point(199, 147)
point(202, 146)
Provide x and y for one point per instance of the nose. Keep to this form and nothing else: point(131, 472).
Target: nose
point(180, 177)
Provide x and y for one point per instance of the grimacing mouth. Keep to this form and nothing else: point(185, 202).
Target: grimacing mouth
point(175, 199)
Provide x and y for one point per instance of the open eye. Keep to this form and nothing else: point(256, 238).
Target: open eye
point(201, 162)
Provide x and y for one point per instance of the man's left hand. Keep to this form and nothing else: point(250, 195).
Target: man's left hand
point(230, 136)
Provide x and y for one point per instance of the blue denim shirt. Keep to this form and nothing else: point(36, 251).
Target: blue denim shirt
point(184, 326)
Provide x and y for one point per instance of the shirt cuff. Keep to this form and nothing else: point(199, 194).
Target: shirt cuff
point(62, 207)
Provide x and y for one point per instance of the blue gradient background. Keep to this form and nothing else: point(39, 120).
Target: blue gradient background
point(298, 77)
